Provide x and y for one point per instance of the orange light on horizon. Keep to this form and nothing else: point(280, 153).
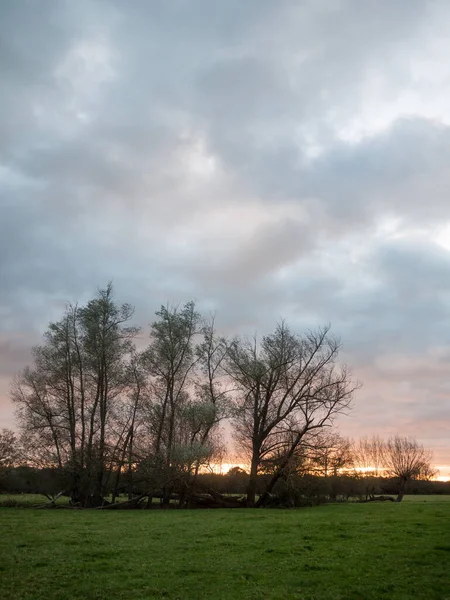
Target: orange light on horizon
point(223, 468)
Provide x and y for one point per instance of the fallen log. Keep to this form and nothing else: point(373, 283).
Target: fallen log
point(212, 499)
point(52, 500)
point(127, 505)
point(381, 499)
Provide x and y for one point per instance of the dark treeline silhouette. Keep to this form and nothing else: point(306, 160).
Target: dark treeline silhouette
point(305, 490)
point(99, 419)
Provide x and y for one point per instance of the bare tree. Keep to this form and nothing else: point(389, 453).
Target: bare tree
point(99, 413)
point(129, 421)
point(368, 462)
point(186, 400)
point(287, 387)
point(170, 361)
point(9, 451)
point(369, 455)
point(212, 396)
point(406, 459)
point(330, 453)
point(68, 401)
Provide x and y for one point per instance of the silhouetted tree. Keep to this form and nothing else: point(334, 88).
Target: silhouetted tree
point(9, 450)
point(68, 401)
point(406, 459)
point(287, 386)
point(186, 401)
point(368, 460)
point(102, 418)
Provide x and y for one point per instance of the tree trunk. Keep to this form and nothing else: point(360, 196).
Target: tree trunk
point(166, 496)
point(401, 490)
point(129, 504)
point(251, 489)
point(280, 470)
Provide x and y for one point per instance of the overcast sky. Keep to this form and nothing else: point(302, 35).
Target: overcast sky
point(266, 158)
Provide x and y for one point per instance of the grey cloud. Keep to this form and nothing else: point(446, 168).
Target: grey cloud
point(405, 307)
point(14, 350)
point(349, 185)
point(136, 158)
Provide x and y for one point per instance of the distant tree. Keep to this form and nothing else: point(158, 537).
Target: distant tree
point(236, 480)
point(287, 386)
point(236, 472)
point(330, 453)
point(368, 461)
point(8, 448)
point(406, 459)
point(368, 453)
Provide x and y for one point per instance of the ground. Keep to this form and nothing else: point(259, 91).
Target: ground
point(336, 552)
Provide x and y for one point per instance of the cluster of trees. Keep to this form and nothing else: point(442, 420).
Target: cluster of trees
point(401, 458)
point(105, 416)
point(332, 468)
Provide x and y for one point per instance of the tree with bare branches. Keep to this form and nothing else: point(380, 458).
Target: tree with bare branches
point(329, 453)
point(186, 399)
point(406, 459)
point(287, 386)
point(9, 450)
point(107, 417)
point(368, 462)
point(68, 401)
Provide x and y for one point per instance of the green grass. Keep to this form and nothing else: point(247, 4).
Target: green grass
point(427, 498)
point(28, 500)
point(336, 552)
point(37, 500)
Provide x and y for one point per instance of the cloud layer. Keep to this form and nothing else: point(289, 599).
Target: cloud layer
point(267, 159)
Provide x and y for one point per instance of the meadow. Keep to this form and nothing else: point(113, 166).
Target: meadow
point(336, 552)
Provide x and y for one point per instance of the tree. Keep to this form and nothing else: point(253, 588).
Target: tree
point(210, 391)
point(368, 457)
point(103, 418)
point(329, 453)
point(129, 418)
point(186, 400)
point(287, 386)
point(8, 448)
point(69, 400)
point(406, 459)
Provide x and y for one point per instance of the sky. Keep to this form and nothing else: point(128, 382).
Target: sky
point(269, 160)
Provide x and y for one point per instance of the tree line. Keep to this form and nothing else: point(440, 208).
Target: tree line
point(107, 416)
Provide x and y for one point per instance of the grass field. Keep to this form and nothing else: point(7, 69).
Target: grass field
point(30, 500)
point(27, 500)
point(37, 500)
point(428, 498)
point(338, 552)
